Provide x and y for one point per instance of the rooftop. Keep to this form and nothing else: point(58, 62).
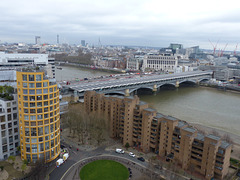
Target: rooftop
point(189, 129)
point(224, 144)
point(200, 137)
point(171, 118)
point(159, 115)
point(181, 124)
point(150, 109)
point(211, 136)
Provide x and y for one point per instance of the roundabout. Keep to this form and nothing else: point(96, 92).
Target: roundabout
point(104, 169)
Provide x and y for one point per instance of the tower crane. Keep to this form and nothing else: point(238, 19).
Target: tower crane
point(214, 47)
point(223, 50)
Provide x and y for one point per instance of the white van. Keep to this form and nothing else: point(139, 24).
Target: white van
point(120, 151)
point(59, 162)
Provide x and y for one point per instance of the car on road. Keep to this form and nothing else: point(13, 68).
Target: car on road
point(120, 151)
point(131, 154)
point(141, 159)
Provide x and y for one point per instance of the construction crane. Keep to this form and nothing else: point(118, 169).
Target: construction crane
point(214, 47)
point(235, 50)
point(223, 50)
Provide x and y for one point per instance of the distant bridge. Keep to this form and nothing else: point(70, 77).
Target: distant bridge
point(129, 86)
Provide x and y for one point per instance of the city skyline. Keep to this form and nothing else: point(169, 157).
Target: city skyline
point(137, 23)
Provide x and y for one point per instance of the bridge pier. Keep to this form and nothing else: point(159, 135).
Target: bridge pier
point(127, 92)
point(177, 84)
point(155, 89)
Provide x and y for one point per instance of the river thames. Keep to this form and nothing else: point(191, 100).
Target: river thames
point(206, 106)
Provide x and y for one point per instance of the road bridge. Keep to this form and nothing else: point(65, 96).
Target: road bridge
point(127, 86)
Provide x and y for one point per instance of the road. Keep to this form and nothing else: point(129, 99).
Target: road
point(76, 156)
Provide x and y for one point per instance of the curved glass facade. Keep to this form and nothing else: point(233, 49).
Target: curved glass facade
point(39, 117)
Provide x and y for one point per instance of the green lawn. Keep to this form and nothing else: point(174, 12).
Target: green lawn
point(104, 170)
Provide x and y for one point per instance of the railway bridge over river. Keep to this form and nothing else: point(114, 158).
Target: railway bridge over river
point(129, 86)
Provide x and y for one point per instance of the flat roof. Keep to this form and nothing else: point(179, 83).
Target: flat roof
point(224, 144)
point(200, 137)
point(211, 136)
point(171, 118)
point(142, 103)
point(159, 115)
point(189, 129)
point(150, 109)
point(181, 124)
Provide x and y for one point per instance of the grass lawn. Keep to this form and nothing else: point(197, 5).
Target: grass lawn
point(104, 170)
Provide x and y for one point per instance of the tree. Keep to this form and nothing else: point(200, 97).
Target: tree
point(127, 145)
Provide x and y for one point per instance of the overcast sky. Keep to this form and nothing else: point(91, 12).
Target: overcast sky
point(122, 22)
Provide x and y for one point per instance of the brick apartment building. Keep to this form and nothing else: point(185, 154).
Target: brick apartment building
point(135, 123)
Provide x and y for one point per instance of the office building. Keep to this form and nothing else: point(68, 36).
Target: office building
point(11, 61)
point(162, 62)
point(135, 123)
point(38, 107)
point(9, 136)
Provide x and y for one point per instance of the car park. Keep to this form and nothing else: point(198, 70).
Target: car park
point(141, 159)
point(131, 154)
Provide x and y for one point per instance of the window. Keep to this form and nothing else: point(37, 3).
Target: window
point(40, 139)
point(34, 140)
point(24, 77)
point(45, 109)
point(32, 98)
point(38, 77)
point(45, 97)
point(32, 117)
point(31, 91)
point(9, 117)
point(39, 104)
point(31, 77)
point(33, 132)
point(26, 123)
point(45, 91)
point(3, 126)
point(45, 84)
point(26, 131)
point(50, 89)
point(40, 123)
point(32, 111)
point(45, 116)
point(2, 118)
point(38, 85)
point(39, 110)
point(40, 131)
point(25, 110)
point(45, 103)
point(32, 104)
point(46, 145)
point(25, 98)
point(28, 149)
point(40, 147)
point(25, 91)
point(39, 117)
point(39, 98)
point(24, 85)
point(3, 133)
point(31, 85)
point(39, 91)
point(46, 129)
point(25, 104)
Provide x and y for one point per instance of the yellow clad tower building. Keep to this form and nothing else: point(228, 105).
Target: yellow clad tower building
point(38, 107)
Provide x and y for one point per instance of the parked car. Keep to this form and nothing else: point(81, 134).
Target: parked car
point(120, 151)
point(141, 159)
point(131, 154)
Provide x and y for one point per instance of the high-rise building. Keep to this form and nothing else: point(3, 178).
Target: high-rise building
point(9, 136)
point(135, 123)
point(83, 43)
point(38, 107)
